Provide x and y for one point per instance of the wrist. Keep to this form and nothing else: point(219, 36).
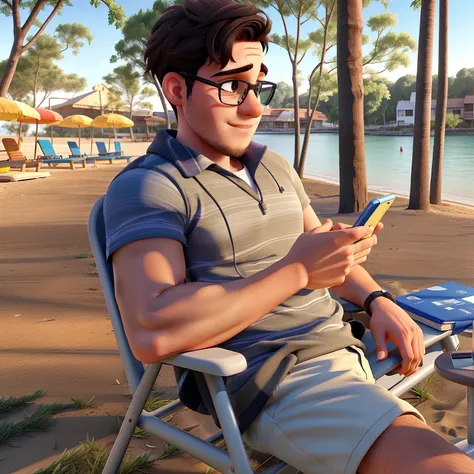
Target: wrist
point(378, 299)
point(297, 273)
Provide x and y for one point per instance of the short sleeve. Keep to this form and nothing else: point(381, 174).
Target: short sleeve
point(143, 204)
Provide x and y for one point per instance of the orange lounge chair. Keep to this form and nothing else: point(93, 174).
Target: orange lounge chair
point(16, 158)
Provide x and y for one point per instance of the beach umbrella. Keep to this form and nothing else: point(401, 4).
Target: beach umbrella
point(112, 121)
point(76, 121)
point(12, 110)
point(47, 117)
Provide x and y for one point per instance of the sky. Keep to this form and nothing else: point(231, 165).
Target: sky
point(93, 61)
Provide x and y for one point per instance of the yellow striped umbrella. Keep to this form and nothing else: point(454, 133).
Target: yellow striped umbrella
point(76, 121)
point(112, 121)
point(12, 110)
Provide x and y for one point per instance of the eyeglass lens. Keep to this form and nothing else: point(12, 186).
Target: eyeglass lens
point(234, 92)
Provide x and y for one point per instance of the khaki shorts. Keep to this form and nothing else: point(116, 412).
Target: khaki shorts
point(326, 414)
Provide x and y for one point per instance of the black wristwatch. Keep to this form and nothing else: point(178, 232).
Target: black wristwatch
point(373, 296)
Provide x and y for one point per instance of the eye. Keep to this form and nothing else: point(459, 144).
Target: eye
point(230, 86)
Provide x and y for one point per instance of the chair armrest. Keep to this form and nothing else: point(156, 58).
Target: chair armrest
point(213, 361)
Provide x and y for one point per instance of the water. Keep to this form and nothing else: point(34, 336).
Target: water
point(388, 169)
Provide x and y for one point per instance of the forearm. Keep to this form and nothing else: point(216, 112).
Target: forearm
point(357, 286)
point(194, 316)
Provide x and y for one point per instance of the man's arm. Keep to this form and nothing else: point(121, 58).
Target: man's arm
point(162, 316)
point(389, 321)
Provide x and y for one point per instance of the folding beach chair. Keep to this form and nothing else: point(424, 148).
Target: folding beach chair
point(216, 363)
point(76, 153)
point(52, 158)
point(102, 148)
point(16, 158)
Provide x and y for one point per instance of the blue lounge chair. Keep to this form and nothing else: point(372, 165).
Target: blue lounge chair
point(103, 152)
point(50, 157)
point(76, 153)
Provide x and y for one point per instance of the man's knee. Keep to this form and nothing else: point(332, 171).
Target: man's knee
point(409, 445)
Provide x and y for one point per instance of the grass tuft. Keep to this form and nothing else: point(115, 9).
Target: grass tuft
point(94, 270)
point(90, 458)
point(80, 256)
point(155, 401)
point(13, 403)
point(82, 404)
point(38, 421)
point(170, 450)
point(421, 390)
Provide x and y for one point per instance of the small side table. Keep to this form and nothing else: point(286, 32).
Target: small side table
point(444, 367)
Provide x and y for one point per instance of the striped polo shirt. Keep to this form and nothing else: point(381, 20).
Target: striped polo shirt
point(229, 231)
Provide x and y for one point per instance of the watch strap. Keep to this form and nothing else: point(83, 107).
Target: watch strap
point(376, 294)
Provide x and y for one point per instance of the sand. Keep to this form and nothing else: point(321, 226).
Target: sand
point(55, 331)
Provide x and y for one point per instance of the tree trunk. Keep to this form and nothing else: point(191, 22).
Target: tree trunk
point(352, 172)
point(296, 109)
point(10, 70)
point(441, 105)
point(419, 188)
point(162, 99)
point(309, 111)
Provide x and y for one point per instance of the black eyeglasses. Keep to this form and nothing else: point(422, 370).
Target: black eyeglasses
point(233, 92)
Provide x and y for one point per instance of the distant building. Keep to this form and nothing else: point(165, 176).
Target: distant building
point(92, 104)
point(459, 106)
point(280, 119)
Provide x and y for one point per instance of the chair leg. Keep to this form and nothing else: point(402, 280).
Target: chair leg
point(131, 418)
point(73, 167)
point(230, 430)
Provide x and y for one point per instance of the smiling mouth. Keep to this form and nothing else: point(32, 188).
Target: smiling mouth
point(243, 127)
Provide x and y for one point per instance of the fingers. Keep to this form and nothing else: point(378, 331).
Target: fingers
point(365, 244)
point(411, 348)
point(350, 235)
point(324, 227)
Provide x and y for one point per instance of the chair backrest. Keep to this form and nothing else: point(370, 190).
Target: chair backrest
point(47, 148)
point(12, 149)
point(118, 147)
point(133, 368)
point(101, 147)
point(75, 151)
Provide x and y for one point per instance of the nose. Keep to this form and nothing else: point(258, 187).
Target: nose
point(251, 106)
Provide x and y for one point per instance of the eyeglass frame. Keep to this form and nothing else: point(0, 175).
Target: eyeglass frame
point(250, 87)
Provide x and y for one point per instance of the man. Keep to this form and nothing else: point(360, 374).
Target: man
point(213, 242)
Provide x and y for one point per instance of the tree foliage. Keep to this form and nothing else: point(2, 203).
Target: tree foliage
point(124, 82)
point(37, 76)
point(26, 33)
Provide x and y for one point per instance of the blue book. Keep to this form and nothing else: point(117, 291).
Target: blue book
point(441, 306)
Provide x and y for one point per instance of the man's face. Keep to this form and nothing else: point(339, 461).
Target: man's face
point(227, 129)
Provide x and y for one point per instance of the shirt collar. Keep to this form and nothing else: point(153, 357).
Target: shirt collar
point(189, 162)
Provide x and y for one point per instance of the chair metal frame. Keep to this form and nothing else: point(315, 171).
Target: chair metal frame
point(216, 363)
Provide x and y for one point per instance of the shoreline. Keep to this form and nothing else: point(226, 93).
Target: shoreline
point(466, 203)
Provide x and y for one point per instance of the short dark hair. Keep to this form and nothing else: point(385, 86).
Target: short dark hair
point(187, 35)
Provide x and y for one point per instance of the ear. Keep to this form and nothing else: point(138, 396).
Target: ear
point(174, 88)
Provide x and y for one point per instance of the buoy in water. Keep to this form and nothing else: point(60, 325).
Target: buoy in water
point(401, 148)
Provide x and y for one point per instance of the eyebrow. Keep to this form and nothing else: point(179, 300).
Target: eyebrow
point(245, 68)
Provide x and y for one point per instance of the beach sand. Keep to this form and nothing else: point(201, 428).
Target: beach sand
point(55, 331)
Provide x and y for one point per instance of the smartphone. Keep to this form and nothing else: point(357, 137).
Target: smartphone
point(374, 211)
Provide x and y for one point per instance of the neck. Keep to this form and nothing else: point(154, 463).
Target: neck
point(187, 137)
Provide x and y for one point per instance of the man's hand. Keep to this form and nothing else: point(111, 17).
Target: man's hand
point(392, 323)
point(360, 257)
